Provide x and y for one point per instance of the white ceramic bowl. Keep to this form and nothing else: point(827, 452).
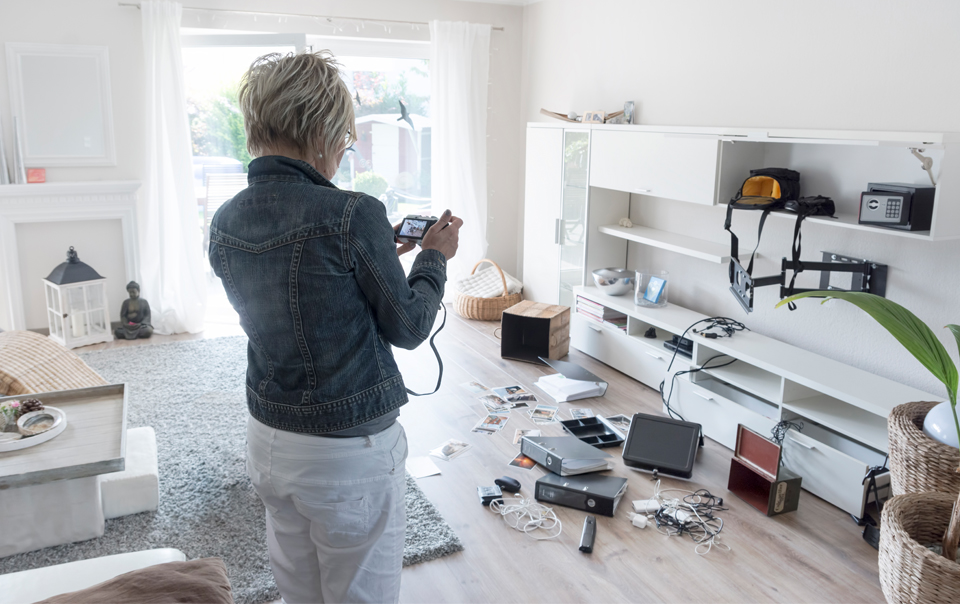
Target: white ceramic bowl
point(614, 281)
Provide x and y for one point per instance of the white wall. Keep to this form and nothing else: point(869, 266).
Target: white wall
point(870, 65)
point(103, 22)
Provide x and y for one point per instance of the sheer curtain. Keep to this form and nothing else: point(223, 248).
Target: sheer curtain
point(459, 71)
point(171, 259)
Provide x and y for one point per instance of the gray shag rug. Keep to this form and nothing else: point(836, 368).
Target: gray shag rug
point(207, 505)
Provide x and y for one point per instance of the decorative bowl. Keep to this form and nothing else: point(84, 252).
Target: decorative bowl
point(614, 281)
point(38, 422)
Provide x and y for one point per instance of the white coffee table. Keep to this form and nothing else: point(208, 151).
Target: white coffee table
point(50, 493)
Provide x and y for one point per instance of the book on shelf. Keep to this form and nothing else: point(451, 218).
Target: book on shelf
point(619, 323)
point(588, 303)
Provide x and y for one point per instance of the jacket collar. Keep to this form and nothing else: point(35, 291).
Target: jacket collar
point(286, 169)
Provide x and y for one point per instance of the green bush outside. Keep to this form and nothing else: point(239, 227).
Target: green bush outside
point(371, 183)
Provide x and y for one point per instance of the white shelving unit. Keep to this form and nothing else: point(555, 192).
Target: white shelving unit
point(843, 409)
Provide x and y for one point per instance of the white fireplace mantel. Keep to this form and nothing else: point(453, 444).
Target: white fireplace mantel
point(61, 202)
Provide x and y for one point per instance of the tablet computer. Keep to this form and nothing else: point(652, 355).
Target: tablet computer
point(662, 444)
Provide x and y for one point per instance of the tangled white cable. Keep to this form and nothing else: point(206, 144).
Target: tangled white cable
point(527, 516)
point(705, 531)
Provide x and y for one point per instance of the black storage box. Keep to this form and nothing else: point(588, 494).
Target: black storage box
point(757, 478)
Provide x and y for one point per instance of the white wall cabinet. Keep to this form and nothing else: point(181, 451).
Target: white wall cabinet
point(672, 166)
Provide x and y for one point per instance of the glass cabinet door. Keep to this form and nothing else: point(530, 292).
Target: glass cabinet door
point(573, 214)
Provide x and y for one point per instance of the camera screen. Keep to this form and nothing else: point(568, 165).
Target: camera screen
point(413, 228)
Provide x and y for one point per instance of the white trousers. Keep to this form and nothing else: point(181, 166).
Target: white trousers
point(336, 518)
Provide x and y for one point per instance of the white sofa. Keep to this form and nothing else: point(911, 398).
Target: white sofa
point(42, 583)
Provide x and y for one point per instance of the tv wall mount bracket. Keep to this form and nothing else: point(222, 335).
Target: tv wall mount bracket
point(866, 276)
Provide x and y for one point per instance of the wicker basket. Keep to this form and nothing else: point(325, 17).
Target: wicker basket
point(917, 462)
point(485, 309)
point(909, 572)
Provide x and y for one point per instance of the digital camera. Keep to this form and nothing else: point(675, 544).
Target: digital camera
point(413, 228)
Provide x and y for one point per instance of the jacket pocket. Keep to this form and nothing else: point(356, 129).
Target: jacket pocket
point(339, 524)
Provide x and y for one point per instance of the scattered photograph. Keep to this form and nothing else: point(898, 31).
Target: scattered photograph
point(522, 461)
point(581, 413)
point(521, 433)
point(495, 403)
point(492, 423)
point(475, 387)
point(513, 393)
point(621, 422)
point(523, 398)
point(543, 414)
point(450, 449)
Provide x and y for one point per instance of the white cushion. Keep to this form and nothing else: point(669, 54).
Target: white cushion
point(486, 283)
point(43, 583)
point(137, 488)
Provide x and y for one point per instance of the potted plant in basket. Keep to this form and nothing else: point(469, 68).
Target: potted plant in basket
point(920, 341)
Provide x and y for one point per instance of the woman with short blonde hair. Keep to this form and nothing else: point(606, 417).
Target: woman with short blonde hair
point(313, 272)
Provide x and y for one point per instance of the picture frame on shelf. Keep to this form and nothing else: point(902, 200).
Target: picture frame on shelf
point(593, 117)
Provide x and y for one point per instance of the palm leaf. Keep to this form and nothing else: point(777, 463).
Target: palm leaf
point(903, 325)
point(955, 329)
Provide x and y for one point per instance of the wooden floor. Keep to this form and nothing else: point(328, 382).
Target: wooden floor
point(813, 555)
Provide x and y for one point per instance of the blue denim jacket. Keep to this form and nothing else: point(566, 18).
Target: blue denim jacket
point(313, 273)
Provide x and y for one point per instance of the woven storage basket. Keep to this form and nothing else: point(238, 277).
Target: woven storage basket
point(917, 462)
point(485, 309)
point(909, 572)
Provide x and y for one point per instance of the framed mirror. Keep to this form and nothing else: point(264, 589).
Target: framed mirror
point(61, 95)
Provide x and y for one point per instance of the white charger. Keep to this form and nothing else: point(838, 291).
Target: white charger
point(646, 506)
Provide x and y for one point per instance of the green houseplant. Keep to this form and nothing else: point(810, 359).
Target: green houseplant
point(920, 341)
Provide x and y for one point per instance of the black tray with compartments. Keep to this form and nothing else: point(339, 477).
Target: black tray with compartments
point(594, 431)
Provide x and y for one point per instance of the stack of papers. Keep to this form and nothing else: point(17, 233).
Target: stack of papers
point(563, 389)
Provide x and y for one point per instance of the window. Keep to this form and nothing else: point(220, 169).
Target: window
point(391, 158)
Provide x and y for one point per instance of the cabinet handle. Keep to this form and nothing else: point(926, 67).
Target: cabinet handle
point(654, 355)
point(556, 231)
point(804, 445)
point(704, 396)
point(642, 191)
point(595, 328)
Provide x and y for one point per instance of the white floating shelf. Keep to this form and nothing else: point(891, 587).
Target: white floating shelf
point(848, 221)
point(717, 253)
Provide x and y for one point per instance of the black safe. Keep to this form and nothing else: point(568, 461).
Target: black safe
point(897, 206)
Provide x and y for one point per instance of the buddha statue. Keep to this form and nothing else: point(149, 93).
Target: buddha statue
point(134, 316)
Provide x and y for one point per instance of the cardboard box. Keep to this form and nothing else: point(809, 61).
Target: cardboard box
point(530, 330)
point(757, 478)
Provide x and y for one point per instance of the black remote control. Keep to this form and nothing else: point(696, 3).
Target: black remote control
point(588, 535)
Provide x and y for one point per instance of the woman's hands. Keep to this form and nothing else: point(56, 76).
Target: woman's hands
point(444, 236)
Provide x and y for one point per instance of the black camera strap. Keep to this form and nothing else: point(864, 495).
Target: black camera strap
point(437, 353)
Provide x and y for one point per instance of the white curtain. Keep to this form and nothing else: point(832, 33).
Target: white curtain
point(459, 72)
point(172, 270)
